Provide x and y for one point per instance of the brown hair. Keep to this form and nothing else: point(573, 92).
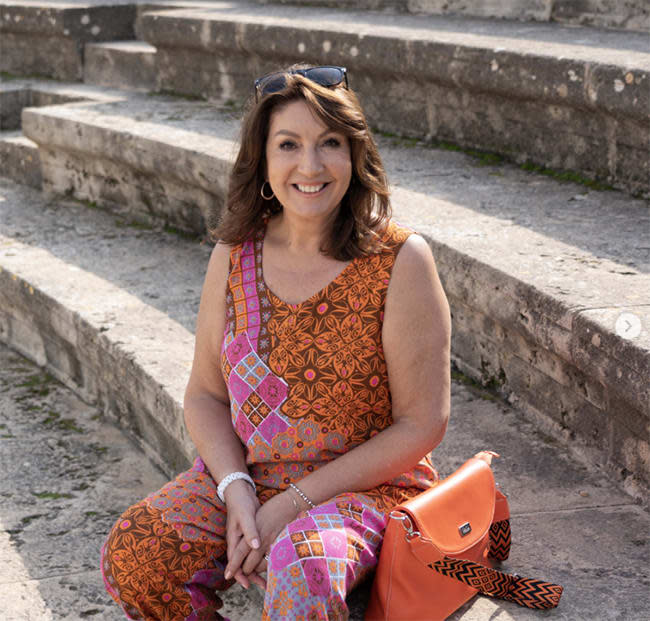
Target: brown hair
point(365, 207)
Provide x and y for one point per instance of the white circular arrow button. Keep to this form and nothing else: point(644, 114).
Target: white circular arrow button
point(628, 325)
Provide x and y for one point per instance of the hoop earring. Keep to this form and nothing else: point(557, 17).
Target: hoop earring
point(266, 198)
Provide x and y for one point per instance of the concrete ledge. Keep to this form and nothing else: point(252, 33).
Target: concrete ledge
point(47, 38)
point(20, 159)
point(121, 64)
point(557, 506)
point(110, 309)
point(629, 15)
point(67, 305)
point(537, 272)
point(170, 169)
point(18, 94)
point(497, 86)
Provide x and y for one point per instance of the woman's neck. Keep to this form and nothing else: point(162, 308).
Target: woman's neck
point(299, 237)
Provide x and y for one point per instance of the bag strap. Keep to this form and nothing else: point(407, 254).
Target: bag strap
point(500, 538)
point(527, 592)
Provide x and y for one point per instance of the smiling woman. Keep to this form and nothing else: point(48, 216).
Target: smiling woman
point(320, 382)
point(333, 111)
point(308, 164)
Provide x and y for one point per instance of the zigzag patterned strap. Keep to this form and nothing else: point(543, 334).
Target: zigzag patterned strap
point(500, 538)
point(523, 591)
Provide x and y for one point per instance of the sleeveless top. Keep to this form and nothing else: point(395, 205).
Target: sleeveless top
point(308, 382)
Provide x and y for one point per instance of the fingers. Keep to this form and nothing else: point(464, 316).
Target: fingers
point(242, 578)
point(253, 559)
point(486, 456)
point(249, 530)
point(233, 536)
point(258, 580)
point(242, 574)
point(235, 559)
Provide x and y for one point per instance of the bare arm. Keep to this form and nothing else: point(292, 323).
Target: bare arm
point(206, 403)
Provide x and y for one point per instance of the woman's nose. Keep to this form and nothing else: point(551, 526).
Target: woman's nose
point(310, 162)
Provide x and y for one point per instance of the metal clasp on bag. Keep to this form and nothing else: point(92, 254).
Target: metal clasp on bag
point(407, 523)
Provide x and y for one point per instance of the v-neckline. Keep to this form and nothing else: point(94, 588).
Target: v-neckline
point(259, 254)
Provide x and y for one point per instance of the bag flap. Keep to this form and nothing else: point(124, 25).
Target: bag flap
point(458, 511)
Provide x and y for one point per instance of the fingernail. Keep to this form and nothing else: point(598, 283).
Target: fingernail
point(256, 543)
point(228, 574)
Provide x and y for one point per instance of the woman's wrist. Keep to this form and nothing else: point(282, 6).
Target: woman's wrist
point(227, 481)
point(298, 503)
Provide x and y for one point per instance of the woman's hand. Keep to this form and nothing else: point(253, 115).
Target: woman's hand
point(486, 456)
point(242, 506)
point(271, 519)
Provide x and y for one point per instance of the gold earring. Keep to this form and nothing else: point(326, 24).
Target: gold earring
point(266, 198)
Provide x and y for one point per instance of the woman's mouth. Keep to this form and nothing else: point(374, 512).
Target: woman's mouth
point(310, 189)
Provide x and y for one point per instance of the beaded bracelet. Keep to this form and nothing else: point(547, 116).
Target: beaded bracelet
point(301, 494)
point(227, 480)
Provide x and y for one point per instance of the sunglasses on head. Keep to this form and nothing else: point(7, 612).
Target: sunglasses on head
point(325, 76)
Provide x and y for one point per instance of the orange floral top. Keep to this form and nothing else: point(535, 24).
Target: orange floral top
point(308, 382)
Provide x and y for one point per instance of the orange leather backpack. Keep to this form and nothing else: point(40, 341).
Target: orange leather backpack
point(439, 548)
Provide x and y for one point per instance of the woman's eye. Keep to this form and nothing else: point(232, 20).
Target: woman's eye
point(287, 145)
point(333, 142)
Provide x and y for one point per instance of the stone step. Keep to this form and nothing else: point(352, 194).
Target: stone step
point(537, 272)
point(20, 159)
point(125, 154)
point(110, 310)
point(121, 64)
point(629, 15)
point(500, 86)
point(132, 64)
point(47, 38)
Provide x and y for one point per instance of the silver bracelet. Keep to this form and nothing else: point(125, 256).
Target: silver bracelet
point(227, 480)
point(301, 494)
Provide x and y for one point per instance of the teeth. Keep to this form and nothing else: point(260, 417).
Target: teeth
point(310, 189)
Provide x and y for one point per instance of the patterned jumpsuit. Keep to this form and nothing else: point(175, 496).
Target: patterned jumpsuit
point(307, 382)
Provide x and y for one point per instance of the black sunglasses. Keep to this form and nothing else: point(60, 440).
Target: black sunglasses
point(325, 76)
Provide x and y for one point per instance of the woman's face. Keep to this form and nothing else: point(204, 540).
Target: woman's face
point(308, 165)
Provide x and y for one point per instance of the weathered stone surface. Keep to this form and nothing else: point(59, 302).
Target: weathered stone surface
point(628, 14)
point(530, 342)
point(497, 86)
point(17, 93)
point(69, 474)
point(19, 159)
point(80, 326)
point(50, 57)
point(520, 256)
point(12, 101)
point(168, 162)
point(47, 38)
point(121, 64)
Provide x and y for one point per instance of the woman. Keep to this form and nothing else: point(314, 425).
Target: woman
point(314, 303)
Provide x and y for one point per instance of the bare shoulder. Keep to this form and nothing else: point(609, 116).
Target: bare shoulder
point(212, 306)
point(414, 272)
point(413, 254)
point(415, 292)
point(219, 263)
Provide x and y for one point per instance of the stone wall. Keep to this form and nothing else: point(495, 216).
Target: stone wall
point(627, 14)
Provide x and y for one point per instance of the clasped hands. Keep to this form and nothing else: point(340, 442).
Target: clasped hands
point(251, 529)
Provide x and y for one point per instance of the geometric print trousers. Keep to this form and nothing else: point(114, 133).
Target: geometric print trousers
point(165, 557)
